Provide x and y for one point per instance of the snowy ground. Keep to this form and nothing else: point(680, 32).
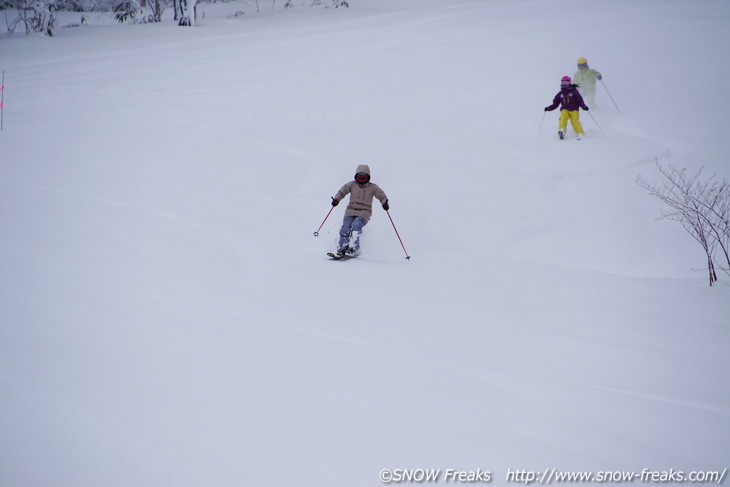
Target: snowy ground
point(168, 318)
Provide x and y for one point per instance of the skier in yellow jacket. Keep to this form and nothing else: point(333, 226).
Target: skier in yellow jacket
point(586, 79)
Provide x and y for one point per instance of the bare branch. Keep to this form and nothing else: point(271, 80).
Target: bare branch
point(700, 205)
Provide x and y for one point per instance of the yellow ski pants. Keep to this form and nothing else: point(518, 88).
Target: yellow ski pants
point(574, 121)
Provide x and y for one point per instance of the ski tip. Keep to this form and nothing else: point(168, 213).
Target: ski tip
point(339, 257)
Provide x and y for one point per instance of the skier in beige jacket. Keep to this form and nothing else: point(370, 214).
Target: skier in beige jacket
point(359, 210)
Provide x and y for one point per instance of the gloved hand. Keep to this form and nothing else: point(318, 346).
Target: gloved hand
point(586, 109)
point(386, 206)
point(600, 77)
point(334, 201)
point(547, 109)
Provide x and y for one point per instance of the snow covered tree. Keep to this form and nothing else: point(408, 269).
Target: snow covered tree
point(138, 11)
point(35, 15)
point(320, 3)
point(156, 10)
point(127, 11)
point(701, 206)
point(188, 12)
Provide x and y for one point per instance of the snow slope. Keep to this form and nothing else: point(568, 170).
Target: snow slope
point(167, 317)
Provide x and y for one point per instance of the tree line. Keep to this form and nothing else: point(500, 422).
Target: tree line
point(40, 15)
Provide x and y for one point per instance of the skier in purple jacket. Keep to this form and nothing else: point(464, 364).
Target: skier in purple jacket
point(570, 101)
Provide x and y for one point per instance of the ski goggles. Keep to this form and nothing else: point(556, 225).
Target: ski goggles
point(362, 177)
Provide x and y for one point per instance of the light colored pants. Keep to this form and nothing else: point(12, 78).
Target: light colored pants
point(589, 95)
point(574, 121)
point(350, 231)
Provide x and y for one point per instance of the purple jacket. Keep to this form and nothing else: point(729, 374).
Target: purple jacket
point(569, 98)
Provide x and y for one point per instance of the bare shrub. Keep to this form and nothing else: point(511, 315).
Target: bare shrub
point(702, 206)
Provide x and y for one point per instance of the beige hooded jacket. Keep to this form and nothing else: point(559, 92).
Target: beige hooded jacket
point(361, 196)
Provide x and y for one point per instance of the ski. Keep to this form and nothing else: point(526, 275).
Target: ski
point(340, 257)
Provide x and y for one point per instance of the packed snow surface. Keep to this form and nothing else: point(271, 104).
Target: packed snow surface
point(168, 318)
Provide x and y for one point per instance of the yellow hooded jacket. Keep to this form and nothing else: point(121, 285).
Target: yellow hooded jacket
point(586, 79)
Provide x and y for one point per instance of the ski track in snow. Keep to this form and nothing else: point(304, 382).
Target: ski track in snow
point(683, 403)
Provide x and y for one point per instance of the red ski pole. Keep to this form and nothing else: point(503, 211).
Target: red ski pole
point(2, 99)
point(316, 234)
point(408, 257)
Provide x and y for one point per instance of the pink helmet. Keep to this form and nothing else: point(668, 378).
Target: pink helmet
point(565, 80)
